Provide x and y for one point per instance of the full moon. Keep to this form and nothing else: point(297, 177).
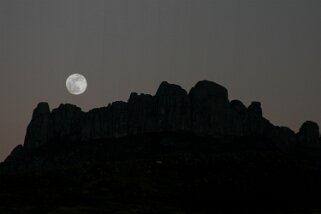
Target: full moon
point(76, 84)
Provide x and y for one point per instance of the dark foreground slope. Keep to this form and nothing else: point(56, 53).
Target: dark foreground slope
point(174, 152)
point(162, 173)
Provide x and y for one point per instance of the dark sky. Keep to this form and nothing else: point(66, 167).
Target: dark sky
point(265, 50)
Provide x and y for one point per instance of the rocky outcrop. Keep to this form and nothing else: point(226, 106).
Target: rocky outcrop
point(238, 107)
point(66, 123)
point(247, 121)
point(255, 109)
point(172, 108)
point(205, 111)
point(256, 125)
point(106, 122)
point(119, 115)
point(94, 123)
point(140, 113)
point(309, 135)
point(209, 108)
point(39, 130)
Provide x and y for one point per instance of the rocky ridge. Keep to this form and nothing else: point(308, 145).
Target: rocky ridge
point(204, 111)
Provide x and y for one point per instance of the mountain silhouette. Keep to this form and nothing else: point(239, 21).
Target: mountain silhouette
point(180, 152)
point(204, 111)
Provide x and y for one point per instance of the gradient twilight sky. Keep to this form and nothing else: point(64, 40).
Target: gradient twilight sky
point(265, 50)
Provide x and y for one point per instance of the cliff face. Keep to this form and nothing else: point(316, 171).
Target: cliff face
point(205, 111)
